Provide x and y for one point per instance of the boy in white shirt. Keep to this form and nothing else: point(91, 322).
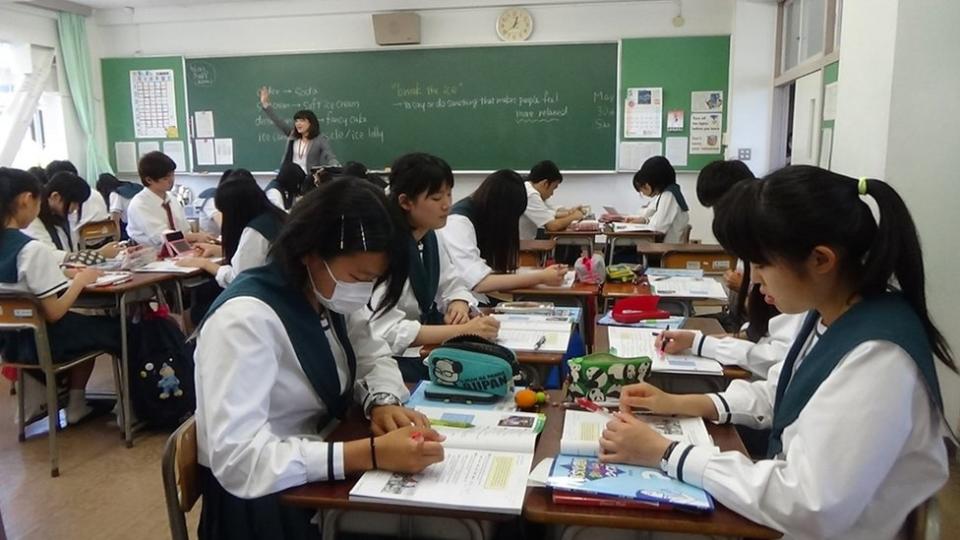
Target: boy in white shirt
point(542, 182)
point(153, 211)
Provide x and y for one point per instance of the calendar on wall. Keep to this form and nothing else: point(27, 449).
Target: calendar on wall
point(154, 101)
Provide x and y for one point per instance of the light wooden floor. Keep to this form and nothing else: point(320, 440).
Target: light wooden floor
point(106, 491)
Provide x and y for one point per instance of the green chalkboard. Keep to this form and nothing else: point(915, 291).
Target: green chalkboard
point(480, 108)
point(119, 107)
point(679, 66)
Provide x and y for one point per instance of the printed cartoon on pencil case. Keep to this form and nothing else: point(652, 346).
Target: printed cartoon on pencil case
point(601, 376)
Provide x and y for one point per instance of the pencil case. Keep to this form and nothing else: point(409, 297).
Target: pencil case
point(601, 376)
point(638, 308)
point(473, 364)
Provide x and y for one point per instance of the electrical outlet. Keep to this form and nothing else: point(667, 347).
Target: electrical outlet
point(743, 154)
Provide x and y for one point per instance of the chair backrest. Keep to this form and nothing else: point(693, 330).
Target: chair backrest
point(22, 311)
point(711, 262)
point(685, 235)
point(96, 232)
point(181, 482)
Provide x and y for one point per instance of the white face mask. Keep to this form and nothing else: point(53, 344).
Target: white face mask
point(347, 297)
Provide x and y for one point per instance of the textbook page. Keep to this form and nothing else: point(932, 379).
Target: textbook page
point(533, 333)
point(629, 342)
point(687, 287)
point(504, 431)
point(478, 480)
point(581, 431)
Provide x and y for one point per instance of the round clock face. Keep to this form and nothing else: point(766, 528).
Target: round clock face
point(515, 24)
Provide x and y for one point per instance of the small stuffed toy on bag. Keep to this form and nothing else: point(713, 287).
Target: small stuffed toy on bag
point(590, 269)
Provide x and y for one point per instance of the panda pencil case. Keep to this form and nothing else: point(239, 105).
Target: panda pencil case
point(601, 376)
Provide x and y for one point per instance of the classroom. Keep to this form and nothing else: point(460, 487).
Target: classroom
point(444, 269)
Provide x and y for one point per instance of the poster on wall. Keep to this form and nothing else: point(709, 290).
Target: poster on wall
point(708, 101)
point(705, 131)
point(677, 151)
point(675, 120)
point(830, 102)
point(633, 154)
point(642, 113)
point(154, 104)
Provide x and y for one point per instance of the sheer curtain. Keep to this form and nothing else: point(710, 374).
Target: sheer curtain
point(75, 54)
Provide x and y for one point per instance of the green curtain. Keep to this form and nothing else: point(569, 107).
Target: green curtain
point(75, 54)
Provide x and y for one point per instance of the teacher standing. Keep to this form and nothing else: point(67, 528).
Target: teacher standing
point(305, 145)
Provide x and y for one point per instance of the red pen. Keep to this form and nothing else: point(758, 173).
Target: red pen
point(417, 436)
point(588, 405)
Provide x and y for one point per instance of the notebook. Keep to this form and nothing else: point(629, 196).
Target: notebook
point(633, 342)
point(534, 333)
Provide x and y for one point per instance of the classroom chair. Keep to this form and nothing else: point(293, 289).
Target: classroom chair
point(97, 233)
point(19, 312)
point(685, 235)
point(715, 262)
point(180, 476)
point(923, 523)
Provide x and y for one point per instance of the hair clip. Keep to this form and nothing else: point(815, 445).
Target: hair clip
point(363, 237)
point(341, 231)
point(862, 185)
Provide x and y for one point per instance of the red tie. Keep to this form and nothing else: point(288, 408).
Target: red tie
point(166, 208)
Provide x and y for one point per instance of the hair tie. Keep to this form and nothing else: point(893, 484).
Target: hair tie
point(862, 185)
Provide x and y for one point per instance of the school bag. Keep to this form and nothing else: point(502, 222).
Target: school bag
point(161, 371)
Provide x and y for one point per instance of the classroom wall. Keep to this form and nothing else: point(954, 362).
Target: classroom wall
point(895, 121)
point(26, 24)
point(339, 25)
point(921, 151)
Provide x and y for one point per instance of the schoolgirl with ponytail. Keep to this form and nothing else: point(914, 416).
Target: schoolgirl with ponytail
point(855, 412)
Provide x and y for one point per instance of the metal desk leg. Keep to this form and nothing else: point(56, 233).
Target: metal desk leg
point(125, 372)
point(611, 247)
point(474, 528)
point(570, 532)
point(331, 519)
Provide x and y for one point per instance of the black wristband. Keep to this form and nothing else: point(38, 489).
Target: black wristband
point(373, 453)
point(666, 453)
point(330, 475)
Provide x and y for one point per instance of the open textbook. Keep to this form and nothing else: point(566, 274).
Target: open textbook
point(538, 333)
point(633, 342)
point(581, 431)
point(487, 458)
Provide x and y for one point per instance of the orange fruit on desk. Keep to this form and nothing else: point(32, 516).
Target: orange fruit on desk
point(526, 398)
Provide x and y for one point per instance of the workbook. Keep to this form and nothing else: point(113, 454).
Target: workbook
point(687, 287)
point(588, 475)
point(632, 342)
point(631, 227)
point(534, 333)
point(487, 458)
point(581, 431)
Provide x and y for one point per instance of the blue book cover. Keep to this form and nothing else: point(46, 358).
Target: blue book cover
point(672, 322)
point(589, 475)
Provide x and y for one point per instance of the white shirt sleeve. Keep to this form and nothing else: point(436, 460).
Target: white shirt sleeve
point(236, 369)
point(38, 232)
point(114, 206)
point(758, 357)
point(252, 249)
point(394, 326)
point(147, 219)
point(451, 286)
point(461, 241)
point(377, 371)
point(274, 196)
point(665, 211)
point(39, 267)
point(835, 462)
point(538, 211)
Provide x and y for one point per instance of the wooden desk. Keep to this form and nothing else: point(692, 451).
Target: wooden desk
point(624, 290)
point(654, 253)
point(540, 508)
point(123, 294)
point(584, 293)
point(537, 250)
point(572, 237)
point(703, 324)
point(634, 236)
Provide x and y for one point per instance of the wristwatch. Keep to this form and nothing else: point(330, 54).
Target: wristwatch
point(665, 459)
point(380, 399)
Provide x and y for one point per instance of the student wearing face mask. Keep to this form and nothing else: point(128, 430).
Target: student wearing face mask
point(278, 359)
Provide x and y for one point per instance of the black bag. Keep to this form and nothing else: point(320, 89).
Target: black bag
point(161, 372)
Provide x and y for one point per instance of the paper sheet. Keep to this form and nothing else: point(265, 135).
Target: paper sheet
point(705, 133)
point(203, 121)
point(146, 147)
point(707, 101)
point(643, 113)
point(154, 104)
point(675, 120)
point(205, 153)
point(633, 154)
point(632, 342)
point(677, 151)
point(174, 149)
point(520, 333)
point(224, 151)
point(126, 156)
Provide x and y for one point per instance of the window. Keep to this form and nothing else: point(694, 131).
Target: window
point(803, 31)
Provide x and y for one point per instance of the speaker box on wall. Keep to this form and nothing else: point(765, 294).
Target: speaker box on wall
point(396, 28)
